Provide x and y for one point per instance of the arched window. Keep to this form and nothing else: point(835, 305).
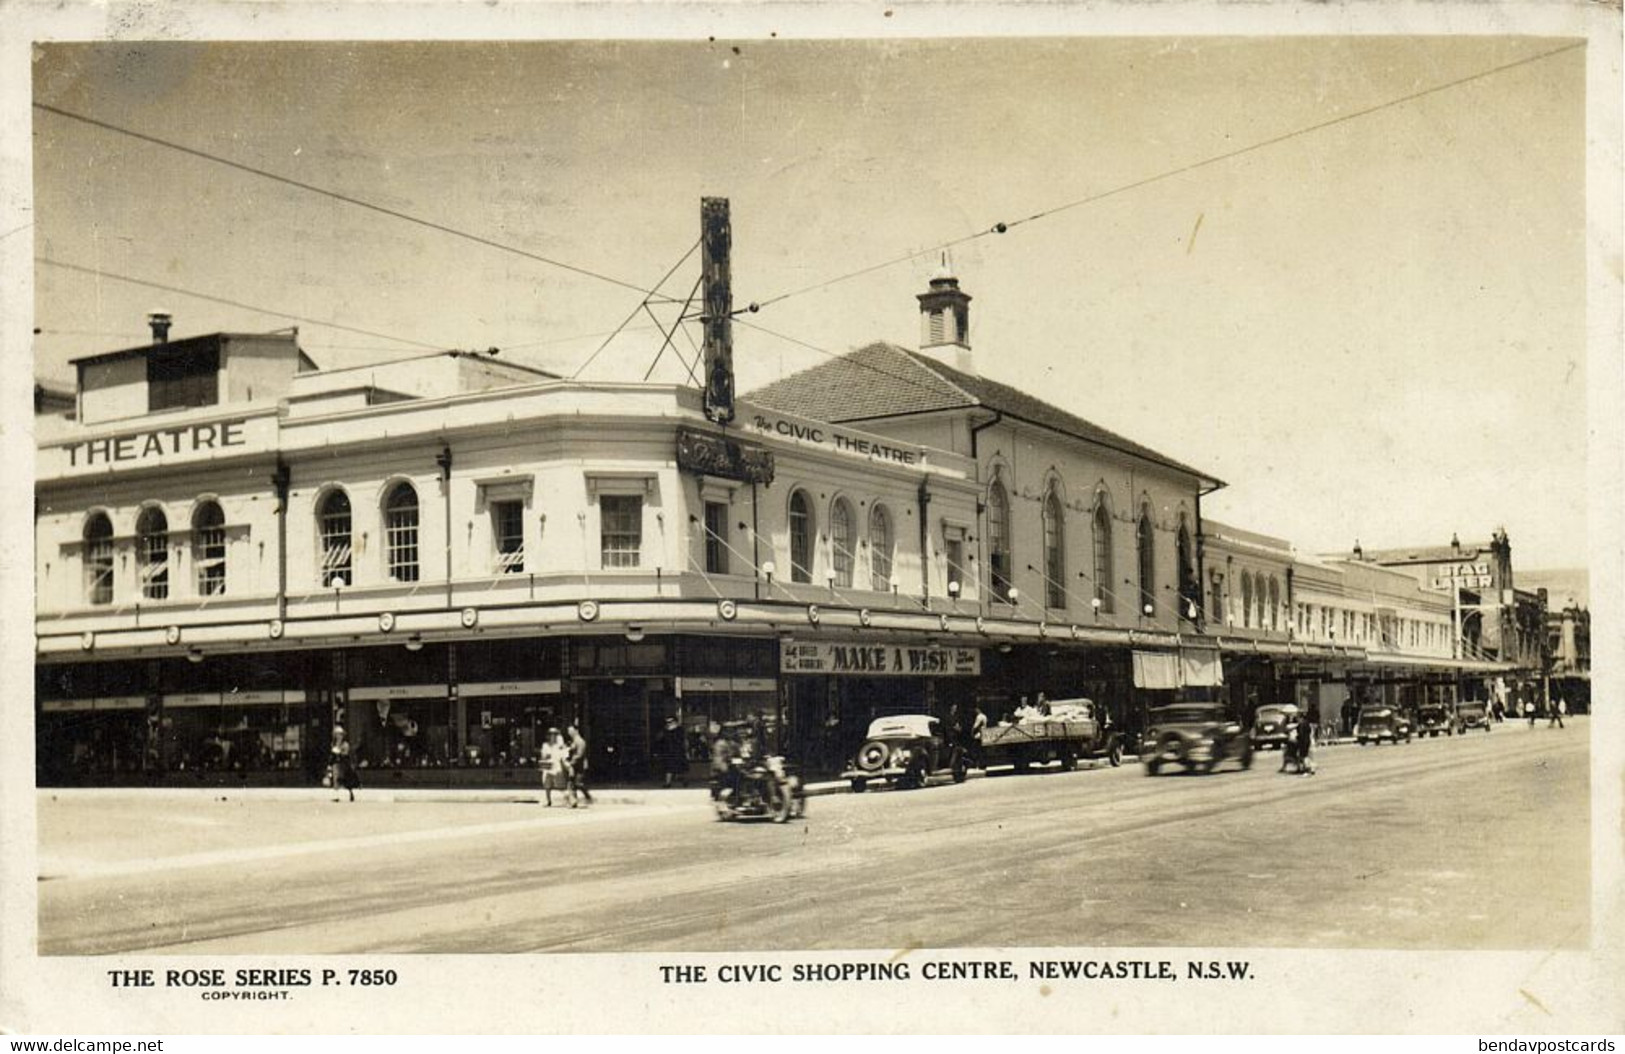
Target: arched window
point(1247, 598)
point(998, 540)
point(841, 541)
point(801, 537)
point(401, 533)
point(209, 549)
point(880, 549)
point(1190, 598)
point(1147, 543)
point(1275, 602)
point(333, 526)
point(99, 559)
point(152, 552)
point(1103, 557)
point(1054, 551)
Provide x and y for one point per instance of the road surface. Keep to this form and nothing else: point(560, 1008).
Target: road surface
point(1475, 842)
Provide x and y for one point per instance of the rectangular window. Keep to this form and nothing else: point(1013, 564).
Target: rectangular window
point(99, 571)
point(622, 523)
point(716, 538)
point(210, 549)
point(508, 532)
point(955, 552)
point(401, 544)
point(180, 378)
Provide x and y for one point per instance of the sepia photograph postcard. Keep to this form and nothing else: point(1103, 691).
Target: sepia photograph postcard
point(776, 518)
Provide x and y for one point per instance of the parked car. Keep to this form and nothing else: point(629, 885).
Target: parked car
point(1196, 735)
point(905, 751)
point(1272, 726)
point(1379, 721)
point(1472, 713)
point(1433, 719)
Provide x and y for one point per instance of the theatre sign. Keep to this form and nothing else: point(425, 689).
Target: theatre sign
point(879, 660)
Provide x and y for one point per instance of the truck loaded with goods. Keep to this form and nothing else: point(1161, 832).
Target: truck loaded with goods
point(1064, 731)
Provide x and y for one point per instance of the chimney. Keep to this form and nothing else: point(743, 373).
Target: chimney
point(945, 320)
point(1455, 544)
point(159, 321)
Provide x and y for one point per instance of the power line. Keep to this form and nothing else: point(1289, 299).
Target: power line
point(844, 356)
point(337, 196)
point(1002, 227)
point(232, 303)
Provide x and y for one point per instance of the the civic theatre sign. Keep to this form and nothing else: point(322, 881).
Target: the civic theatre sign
point(879, 660)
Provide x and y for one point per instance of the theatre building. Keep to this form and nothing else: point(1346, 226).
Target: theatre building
point(237, 551)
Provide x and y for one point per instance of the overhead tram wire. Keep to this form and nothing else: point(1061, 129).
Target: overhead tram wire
point(634, 313)
point(234, 303)
point(338, 196)
point(1003, 226)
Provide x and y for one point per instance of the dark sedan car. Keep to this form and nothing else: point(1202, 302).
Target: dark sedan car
point(1273, 724)
point(1381, 721)
point(1195, 735)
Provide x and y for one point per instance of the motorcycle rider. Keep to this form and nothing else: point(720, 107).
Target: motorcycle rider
point(724, 774)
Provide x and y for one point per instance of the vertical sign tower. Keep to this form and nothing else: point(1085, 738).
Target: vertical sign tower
point(716, 242)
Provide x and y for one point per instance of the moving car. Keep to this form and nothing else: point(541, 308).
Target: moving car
point(1433, 719)
point(1272, 726)
point(1472, 713)
point(1379, 721)
point(905, 750)
point(1195, 735)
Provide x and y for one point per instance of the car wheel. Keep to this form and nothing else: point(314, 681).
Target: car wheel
point(1069, 760)
point(859, 786)
point(1153, 767)
point(1246, 759)
point(1115, 756)
point(872, 756)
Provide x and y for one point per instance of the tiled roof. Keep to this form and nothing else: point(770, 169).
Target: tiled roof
point(884, 380)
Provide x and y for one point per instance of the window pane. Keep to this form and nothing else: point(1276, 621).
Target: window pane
point(152, 554)
point(998, 540)
point(209, 549)
point(801, 541)
point(1148, 568)
point(334, 525)
point(508, 532)
point(401, 534)
point(182, 378)
point(1103, 559)
point(622, 524)
point(841, 542)
point(99, 560)
point(716, 538)
point(1054, 555)
point(880, 549)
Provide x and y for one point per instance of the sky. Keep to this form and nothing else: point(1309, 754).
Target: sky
point(1371, 329)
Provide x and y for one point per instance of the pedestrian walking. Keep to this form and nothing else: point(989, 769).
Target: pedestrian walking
point(578, 766)
point(1529, 711)
point(1558, 708)
point(555, 767)
point(344, 770)
point(1289, 748)
point(1306, 747)
point(673, 752)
